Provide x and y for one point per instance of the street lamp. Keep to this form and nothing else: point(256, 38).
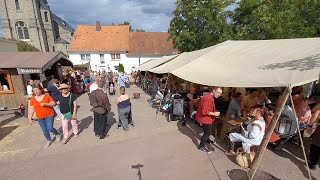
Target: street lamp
point(139, 48)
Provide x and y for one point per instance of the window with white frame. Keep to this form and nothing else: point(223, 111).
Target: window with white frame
point(102, 61)
point(85, 57)
point(115, 56)
point(22, 30)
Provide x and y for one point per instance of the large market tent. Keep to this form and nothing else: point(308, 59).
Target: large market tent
point(154, 63)
point(254, 63)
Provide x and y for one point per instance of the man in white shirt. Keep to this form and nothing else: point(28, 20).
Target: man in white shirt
point(94, 85)
point(30, 83)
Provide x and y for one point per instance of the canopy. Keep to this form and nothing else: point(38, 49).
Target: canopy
point(32, 62)
point(154, 63)
point(255, 63)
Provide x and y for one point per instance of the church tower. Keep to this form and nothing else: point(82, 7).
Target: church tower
point(28, 21)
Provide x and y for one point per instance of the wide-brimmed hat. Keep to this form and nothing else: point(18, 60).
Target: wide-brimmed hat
point(64, 86)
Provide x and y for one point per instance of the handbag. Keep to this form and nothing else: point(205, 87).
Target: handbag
point(68, 115)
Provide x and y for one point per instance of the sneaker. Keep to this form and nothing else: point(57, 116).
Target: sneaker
point(57, 119)
point(47, 144)
point(58, 139)
point(205, 150)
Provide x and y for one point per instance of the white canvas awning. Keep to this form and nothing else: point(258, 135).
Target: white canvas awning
point(255, 63)
point(154, 63)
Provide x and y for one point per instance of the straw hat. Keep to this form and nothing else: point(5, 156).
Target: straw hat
point(64, 86)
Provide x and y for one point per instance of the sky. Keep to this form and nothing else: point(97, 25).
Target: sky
point(150, 15)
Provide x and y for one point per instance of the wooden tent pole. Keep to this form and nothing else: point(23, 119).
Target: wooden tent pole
point(265, 141)
point(167, 81)
point(300, 137)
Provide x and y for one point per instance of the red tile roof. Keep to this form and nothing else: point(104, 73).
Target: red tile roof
point(151, 43)
point(110, 38)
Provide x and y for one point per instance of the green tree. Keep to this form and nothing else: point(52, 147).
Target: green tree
point(121, 68)
point(127, 23)
point(140, 30)
point(130, 27)
point(199, 24)
point(26, 47)
point(275, 19)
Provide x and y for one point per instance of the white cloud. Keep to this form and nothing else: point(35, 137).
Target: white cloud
point(151, 15)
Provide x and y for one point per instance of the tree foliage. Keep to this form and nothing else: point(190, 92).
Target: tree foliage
point(130, 27)
point(275, 19)
point(121, 68)
point(199, 24)
point(26, 47)
point(203, 23)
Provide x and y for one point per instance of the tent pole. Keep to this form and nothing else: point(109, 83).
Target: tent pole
point(167, 82)
point(265, 141)
point(300, 137)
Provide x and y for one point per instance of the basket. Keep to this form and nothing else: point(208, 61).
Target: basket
point(136, 95)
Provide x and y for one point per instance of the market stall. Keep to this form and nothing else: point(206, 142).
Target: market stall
point(257, 63)
point(17, 67)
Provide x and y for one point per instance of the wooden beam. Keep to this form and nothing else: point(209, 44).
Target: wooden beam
point(265, 141)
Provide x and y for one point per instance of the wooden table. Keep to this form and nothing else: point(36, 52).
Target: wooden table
point(229, 124)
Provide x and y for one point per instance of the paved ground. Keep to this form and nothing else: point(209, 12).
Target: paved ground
point(154, 149)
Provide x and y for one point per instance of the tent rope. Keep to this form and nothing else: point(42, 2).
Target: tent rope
point(300, 137)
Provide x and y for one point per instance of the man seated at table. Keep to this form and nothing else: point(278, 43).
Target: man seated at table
point(234, 109)
point(253, 134)
point(250, 101)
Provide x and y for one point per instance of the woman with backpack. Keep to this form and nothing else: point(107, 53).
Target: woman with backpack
point(68, 108)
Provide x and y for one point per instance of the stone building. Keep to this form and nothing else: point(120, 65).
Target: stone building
point(33, 21)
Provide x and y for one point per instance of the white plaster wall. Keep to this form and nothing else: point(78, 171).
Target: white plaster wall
point(128, 61)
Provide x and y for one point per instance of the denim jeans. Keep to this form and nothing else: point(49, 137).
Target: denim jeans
point(46, 125)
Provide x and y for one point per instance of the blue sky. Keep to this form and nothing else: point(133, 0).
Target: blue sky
point(150, 15)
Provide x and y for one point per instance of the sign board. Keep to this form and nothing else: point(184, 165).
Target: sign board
point(28, 71)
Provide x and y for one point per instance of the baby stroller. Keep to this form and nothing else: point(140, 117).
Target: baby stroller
point(112, 89)
point(176, 110)
point(130, 120)
point(286, 127)
point(155, 101)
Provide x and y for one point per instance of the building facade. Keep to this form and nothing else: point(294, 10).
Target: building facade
point(33, 21)
point(104, 47)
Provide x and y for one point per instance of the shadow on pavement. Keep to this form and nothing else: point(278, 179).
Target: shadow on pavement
point(138, 166)
point(110, 122)
point(4, 131)
point(7, 121)
point(237, 174)
point(190, 130)
point(294, 153)
point(84, 124)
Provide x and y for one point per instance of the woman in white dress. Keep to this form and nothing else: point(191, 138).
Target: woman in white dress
point(254, 132)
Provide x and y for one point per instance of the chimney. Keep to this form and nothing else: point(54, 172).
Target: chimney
point(98, 26)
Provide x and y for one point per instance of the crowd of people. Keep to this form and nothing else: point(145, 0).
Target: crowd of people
point(54, 99)
point(258, 105)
